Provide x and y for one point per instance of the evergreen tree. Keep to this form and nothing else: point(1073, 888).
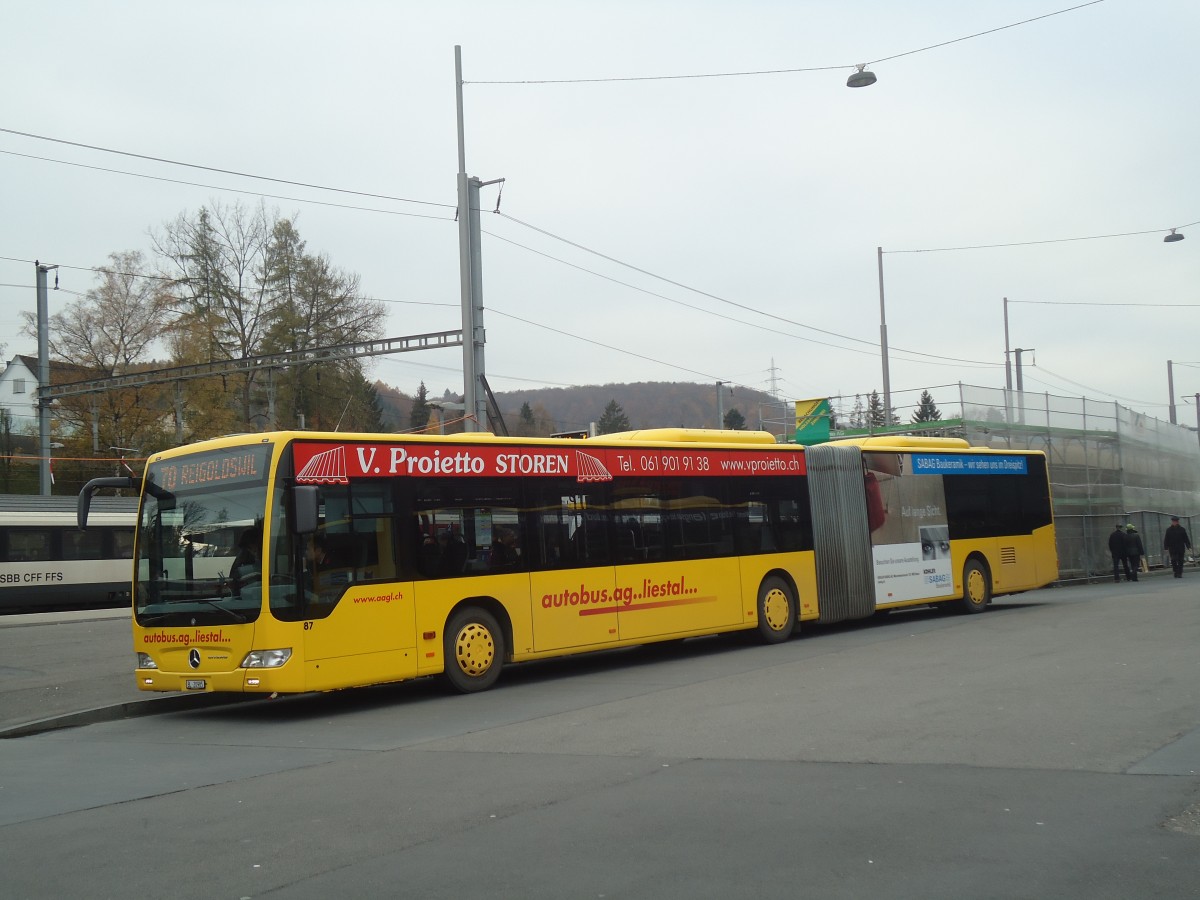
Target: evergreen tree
point(927, 410)
point(613, 420)
point(858, 416)
point(876, 418)
point(363, 411)
point(525, 425)
point(420, 409)
point(735, 421)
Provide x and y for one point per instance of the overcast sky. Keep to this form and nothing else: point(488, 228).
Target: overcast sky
point(664, 229)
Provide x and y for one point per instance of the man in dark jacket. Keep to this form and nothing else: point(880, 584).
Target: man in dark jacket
point(1134, 550)
point(1116, 547)
point(1175, 542)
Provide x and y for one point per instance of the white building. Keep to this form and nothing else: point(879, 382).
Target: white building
point(18, 392)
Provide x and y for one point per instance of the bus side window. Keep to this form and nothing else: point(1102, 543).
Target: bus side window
point(429, 555)
point(556, 548)
point(454, 553)
point(591, 544)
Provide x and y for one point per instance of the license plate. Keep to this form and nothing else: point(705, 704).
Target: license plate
point(194, 684)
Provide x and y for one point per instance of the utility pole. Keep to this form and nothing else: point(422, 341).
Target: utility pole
point(470, 273)
point(720, 405)
point(1020, 379)
point(43, 400)
point(1171, 391)
point(470, 268)
point(883, 344)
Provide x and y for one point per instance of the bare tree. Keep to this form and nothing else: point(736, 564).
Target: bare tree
point(116, 324)
point(112, 330)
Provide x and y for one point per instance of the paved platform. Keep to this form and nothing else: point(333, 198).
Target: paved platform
point(62, 669)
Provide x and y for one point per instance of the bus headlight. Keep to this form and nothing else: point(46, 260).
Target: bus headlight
point(266, 659)
point(145, 662)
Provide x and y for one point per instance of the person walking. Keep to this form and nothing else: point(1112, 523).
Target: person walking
point(1175, 542)
point(1116, 547)
point(1133, 550)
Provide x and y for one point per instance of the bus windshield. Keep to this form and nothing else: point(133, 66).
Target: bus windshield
point(200, 539)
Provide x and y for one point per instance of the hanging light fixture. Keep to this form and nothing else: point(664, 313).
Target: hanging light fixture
point(861, 78)
point(1172, 237)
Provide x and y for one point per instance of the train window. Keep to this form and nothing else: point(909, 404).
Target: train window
point(82, 544)
point(123, 543)
point(28, 545)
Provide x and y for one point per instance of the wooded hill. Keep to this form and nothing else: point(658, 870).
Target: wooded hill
point(646, 404)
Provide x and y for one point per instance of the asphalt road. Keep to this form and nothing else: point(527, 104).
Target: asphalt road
point(1048, 748)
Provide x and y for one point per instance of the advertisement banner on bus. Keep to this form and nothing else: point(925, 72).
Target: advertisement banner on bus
point(909, 531)
point(325, 463)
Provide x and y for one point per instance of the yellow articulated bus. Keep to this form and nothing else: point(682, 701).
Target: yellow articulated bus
point(301, 561)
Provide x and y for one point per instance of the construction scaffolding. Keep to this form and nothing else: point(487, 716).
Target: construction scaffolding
point(1107, 463)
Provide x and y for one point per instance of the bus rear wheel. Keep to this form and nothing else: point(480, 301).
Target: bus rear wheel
point(776, 610)
point(977, 588)
point(473, 645)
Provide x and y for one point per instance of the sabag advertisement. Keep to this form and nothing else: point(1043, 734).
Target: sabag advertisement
point(910, 537)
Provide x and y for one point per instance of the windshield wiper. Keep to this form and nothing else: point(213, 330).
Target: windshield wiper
point(237, 616)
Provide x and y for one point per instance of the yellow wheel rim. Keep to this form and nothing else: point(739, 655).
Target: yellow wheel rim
point(976, 589)
point(474, 649)
point(776, 609)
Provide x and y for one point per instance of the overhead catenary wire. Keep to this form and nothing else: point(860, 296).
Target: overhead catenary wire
point(231, 190)
point(787, 71)
point(873, 351)
point(204, 168)
point(934, 359)
point(734, 303)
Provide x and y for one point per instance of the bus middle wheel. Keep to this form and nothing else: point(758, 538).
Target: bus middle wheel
point(776, 610)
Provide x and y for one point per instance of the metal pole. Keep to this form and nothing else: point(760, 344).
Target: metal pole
point(1007, 361)
point(1171, 391)
point(474, 339)
point(43, 402)
point(179, 412)
point(466, 282)
point(1008, 379)
point(883, 345)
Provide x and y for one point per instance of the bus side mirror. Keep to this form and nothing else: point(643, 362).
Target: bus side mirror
point(305, 508)
point(84, 503)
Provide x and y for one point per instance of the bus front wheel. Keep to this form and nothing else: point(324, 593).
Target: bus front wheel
point(474, 650)
point(977, 587)
point(776, 610)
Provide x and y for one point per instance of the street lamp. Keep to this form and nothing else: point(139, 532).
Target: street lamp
point(1172, 237)
point(861, 78)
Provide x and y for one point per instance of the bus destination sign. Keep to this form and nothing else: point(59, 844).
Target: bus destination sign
point(236, 465)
